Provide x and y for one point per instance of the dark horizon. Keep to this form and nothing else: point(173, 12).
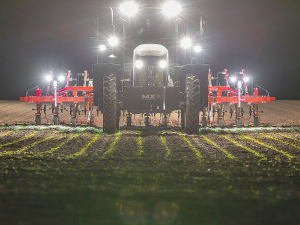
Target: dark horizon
point(259, 36)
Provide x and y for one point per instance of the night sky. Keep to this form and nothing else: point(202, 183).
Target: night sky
point(261, 36)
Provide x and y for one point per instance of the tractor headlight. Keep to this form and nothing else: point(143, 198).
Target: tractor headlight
point(197, 48)
point(102, 47)
point(113, 41)
point(163, 64)
point(129, 8)
point(139, 64)
point(171, 8)
point(61, 78)
point(246, 79)
point(233, 79)
point(48, 77)
point(186, 43)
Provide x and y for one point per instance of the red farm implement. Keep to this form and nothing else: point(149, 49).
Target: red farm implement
point(80, 99)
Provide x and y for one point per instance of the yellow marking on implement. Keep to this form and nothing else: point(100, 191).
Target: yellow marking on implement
point(217, 146)
point(198, 154)
point(276, 139)
point(163, 141)
point(140, 145)
point(19, 140)
point(6, 133)
point(61, 144)
point(26, 147)
point(268, 146)
point(112, 145)
point(82, 151)
point(244, 147)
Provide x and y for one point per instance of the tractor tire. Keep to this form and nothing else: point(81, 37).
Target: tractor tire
point(55, 119)
point(110, 113)
point(192, 105)
point(38, 119)
point(73, 121)
point(256, 121)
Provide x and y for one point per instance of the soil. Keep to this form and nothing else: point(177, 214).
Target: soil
point(150, 176)
point(276, 113)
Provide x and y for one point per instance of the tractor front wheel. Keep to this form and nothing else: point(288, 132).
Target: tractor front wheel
point(110, 114)
point(192, 105)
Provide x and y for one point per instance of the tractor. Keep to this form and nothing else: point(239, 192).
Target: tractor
point(158, 79)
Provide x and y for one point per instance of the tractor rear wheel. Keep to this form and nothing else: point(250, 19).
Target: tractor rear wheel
point(110, 114)
point(192, 105)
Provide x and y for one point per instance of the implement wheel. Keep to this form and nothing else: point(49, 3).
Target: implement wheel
point(256, 121)
point(73, 121)
point(55, 119)
point(192, 105)
point(38, 119)
point(110, 116)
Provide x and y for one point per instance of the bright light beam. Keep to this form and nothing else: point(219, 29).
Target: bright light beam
point(129, 8)
point(171, 8)
point(186, 43)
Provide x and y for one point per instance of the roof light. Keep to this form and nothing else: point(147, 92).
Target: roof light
point(129, 8)
point(171, 8)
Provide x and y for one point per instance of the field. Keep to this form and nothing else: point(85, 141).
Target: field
point(64, 175)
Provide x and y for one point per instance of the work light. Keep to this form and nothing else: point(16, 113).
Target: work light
point(163, 64)
point(113, 41)
point(139, 64)
point(186, 43)
point(246, 79)
point(48, 77)
point(129, 8)
point(61, 78)
point(102, 47)
point(171, 8)
point(197, 48)
point(233, 79)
